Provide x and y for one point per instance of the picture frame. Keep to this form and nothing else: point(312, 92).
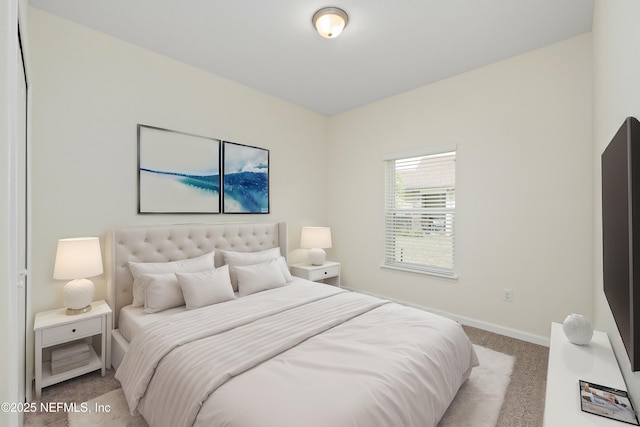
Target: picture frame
point(245, 179)
point(607, 402)
point(178, 172)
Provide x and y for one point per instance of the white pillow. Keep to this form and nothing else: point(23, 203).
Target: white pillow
point(191, 265)
point(234, 259)
point(206, 287)
point(285, 269)
point(163, 292)
point(259, 277)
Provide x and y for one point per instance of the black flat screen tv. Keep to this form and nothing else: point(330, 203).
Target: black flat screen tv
point(621, 234)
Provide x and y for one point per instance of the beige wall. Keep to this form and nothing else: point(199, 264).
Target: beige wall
point(616, 95)
point(524, 189)
point(524, 182)
point(528, 175)
point(90, 91)
point(524, 168)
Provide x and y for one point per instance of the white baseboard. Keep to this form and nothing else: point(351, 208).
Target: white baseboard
point(486, 326)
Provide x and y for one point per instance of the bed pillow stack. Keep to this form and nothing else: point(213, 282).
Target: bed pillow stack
point(196, 283)
point(156, 285)
point(141, 269)
point(253, 272)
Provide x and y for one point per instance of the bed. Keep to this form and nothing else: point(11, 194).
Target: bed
point(265, 354)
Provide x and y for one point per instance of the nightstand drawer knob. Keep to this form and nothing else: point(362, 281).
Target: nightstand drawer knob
point(73, 330)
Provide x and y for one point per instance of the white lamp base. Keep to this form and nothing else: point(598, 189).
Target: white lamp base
point(317, 256)
point(77, 296)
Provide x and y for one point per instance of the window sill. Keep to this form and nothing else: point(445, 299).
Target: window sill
point(453, 277)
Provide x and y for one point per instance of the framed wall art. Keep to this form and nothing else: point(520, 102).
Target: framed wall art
point(177, 172)
point(245, 179)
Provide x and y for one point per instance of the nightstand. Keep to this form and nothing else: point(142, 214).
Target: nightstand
point(55, 328)
point(328, 273)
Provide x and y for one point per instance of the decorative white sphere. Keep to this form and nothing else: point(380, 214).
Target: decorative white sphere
point(577, 329)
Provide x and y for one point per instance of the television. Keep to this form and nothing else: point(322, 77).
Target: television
point(621, 234)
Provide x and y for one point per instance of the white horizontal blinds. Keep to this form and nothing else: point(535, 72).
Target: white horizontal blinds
point(420, 213)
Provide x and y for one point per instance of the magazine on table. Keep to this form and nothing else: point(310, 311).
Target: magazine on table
point(607, 402)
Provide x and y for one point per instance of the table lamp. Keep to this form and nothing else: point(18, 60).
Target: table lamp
point(316, 239)
point(78, 258)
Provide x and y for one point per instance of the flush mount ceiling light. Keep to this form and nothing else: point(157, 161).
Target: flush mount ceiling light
point(330, 21)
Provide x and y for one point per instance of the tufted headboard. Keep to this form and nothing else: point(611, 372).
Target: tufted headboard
point(176, 242)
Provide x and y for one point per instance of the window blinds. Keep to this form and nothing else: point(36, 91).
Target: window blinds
point(420, 213)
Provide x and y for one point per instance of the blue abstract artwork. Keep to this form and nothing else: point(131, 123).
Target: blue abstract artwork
point(177, 172)
point(245, 179)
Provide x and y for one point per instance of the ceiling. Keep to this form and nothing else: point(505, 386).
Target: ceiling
point(388, 47)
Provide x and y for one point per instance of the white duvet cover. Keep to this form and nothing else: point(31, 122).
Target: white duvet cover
point(132, 320)
point(301, 355)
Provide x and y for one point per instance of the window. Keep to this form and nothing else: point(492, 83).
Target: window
point(420, 201)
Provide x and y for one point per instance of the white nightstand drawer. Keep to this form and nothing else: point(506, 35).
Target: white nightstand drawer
point(323, 273)
point(71, 331)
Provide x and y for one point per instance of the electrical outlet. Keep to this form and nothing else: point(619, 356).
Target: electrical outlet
point(507, 294)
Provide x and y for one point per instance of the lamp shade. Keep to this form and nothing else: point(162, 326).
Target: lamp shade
point(78, 258)
point(315, 237)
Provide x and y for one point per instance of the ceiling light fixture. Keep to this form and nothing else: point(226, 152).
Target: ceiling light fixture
point(330, 21)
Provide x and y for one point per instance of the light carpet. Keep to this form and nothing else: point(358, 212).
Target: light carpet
point(479, 399)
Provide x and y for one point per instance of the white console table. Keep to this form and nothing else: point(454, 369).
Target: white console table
point(569, 363)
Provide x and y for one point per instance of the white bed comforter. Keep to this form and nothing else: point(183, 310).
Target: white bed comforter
point(301, 355)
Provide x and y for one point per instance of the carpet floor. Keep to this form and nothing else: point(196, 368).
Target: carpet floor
point(519, 409)
point(524, 402)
